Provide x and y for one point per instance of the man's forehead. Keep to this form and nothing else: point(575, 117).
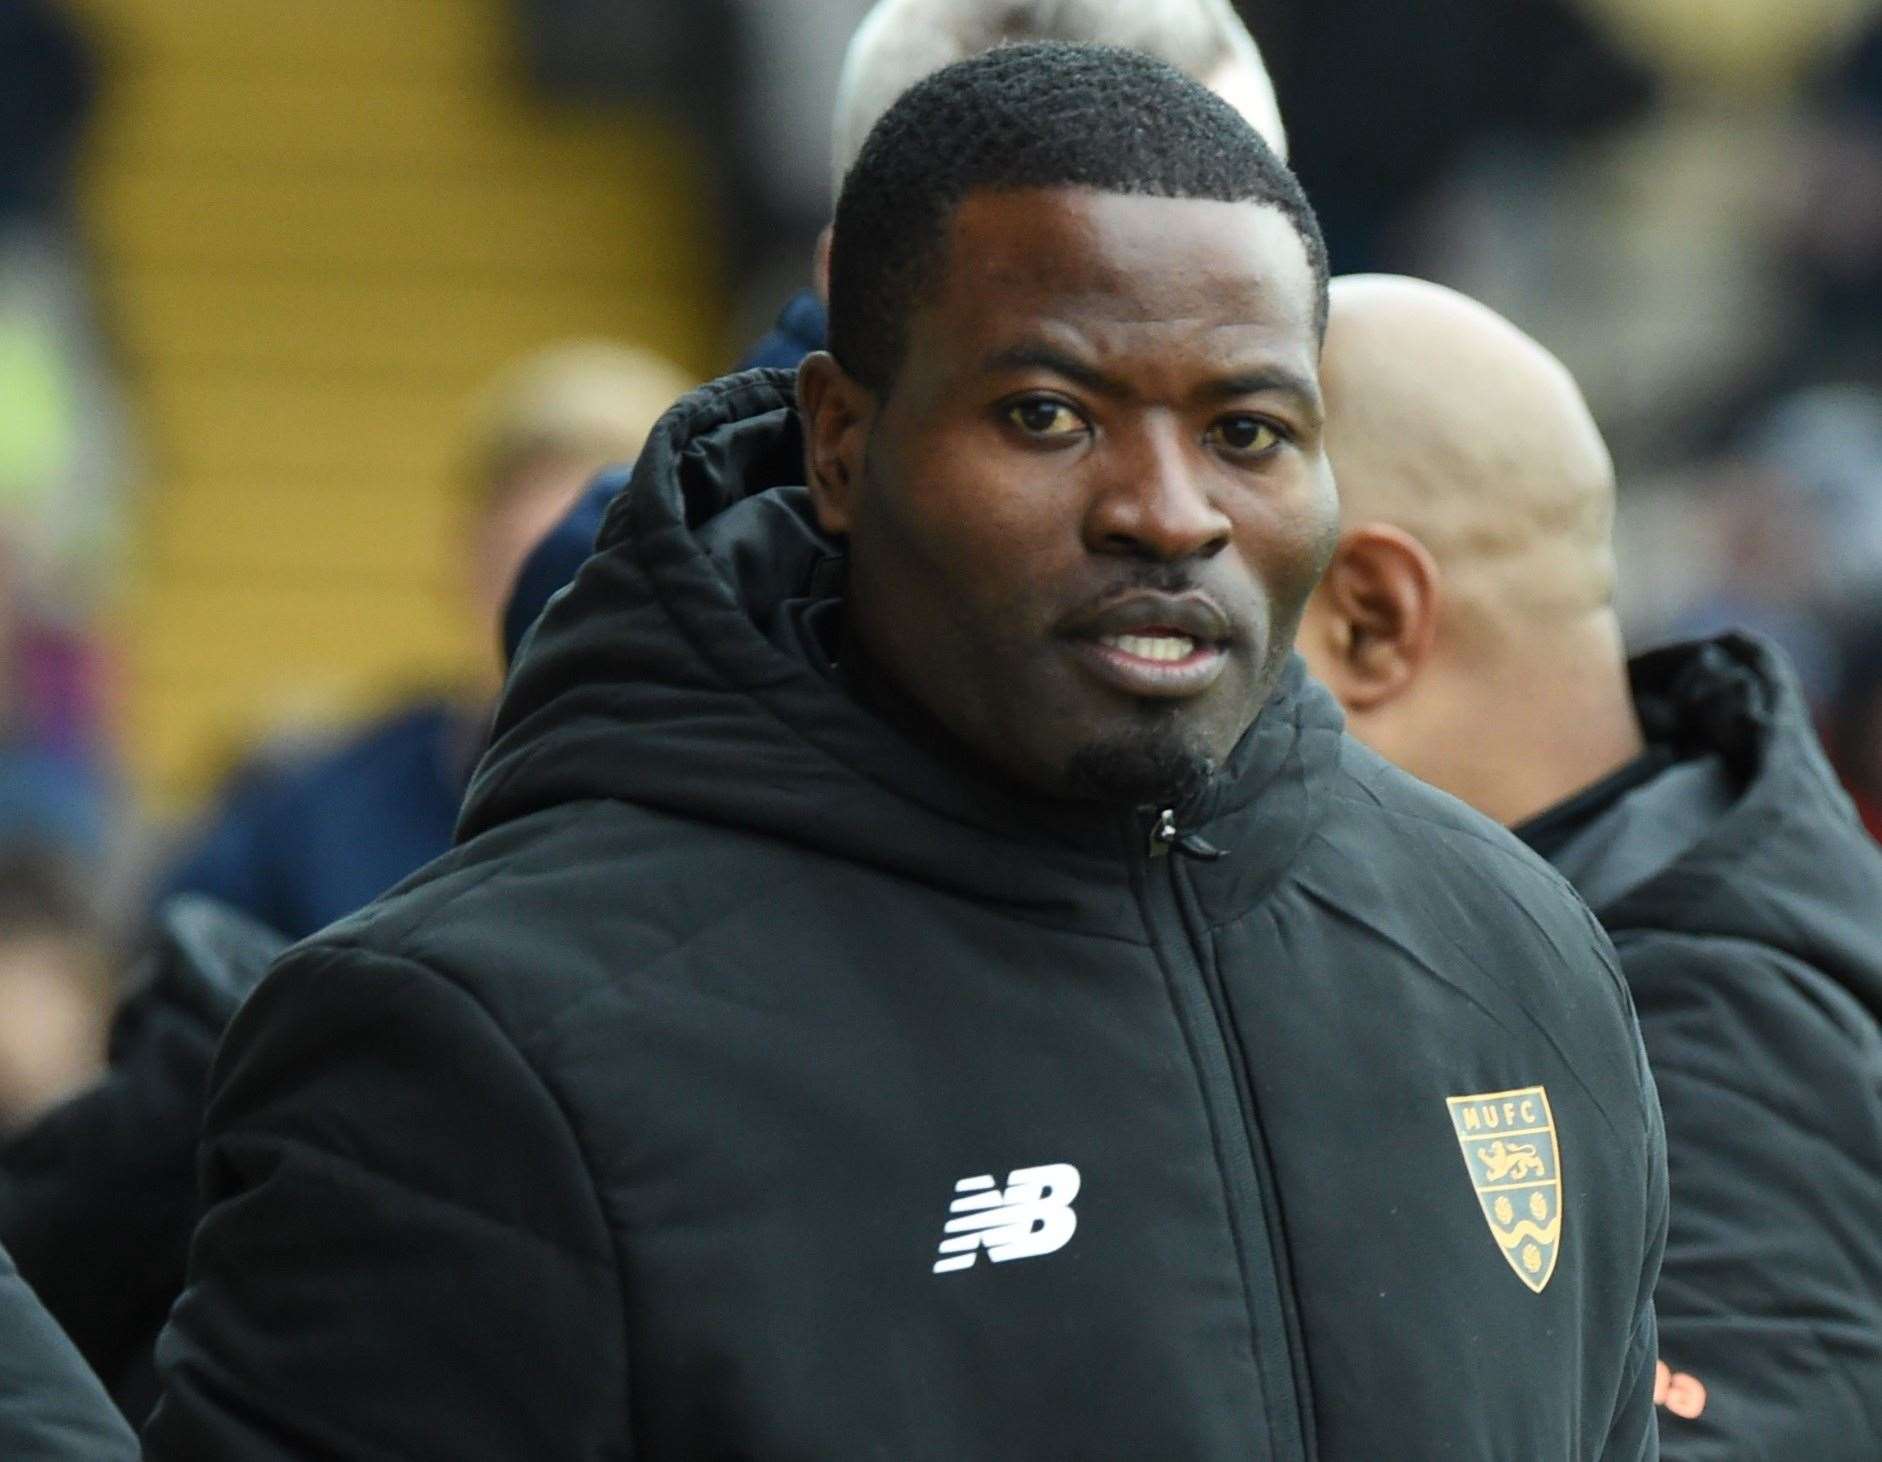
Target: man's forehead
point(1146, 228)
point(1129, 257)
point(1123, 277)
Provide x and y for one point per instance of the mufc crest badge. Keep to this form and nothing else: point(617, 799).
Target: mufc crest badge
point(1508, 1138)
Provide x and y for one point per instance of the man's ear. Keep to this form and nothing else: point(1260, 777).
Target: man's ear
point(836, 410)
point(1374, 616)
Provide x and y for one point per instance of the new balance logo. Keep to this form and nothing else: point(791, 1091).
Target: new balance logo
point(1032, 1216)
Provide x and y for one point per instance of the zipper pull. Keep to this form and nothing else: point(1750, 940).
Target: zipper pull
point(1164, 835)
point(1192, 845)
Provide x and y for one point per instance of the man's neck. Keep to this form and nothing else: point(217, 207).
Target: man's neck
point(1556, 719)
point(1570, 722)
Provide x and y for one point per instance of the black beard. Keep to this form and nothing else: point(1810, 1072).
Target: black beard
point(1140, 771)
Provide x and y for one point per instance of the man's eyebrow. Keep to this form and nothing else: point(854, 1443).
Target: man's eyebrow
point(1268, 378)
point(1254, 382)
point(1045, 358)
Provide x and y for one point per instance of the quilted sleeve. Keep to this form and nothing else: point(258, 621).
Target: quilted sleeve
point(402, 1253)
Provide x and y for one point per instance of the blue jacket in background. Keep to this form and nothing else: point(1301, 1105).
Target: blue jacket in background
point(298, 843)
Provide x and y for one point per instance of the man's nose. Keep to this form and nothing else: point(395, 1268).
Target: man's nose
point(1153, 501)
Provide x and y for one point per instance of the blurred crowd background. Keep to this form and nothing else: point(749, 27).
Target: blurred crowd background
point(312, 315)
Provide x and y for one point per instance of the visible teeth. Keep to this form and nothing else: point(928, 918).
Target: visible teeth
point(1153, 647)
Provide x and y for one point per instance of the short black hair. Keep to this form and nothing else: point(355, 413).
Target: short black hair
point(1046, 114)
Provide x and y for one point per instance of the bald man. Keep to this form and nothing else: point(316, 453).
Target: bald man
point(1467, 625)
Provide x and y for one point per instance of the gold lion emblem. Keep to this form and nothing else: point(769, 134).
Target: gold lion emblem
point(1510, 1161)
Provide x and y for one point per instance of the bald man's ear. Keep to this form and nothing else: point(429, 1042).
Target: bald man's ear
point(836, 411)
point(1371, 624)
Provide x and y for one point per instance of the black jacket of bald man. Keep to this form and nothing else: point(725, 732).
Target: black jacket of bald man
point(1745, 901)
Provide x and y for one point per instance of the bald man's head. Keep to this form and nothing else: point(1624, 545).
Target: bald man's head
point(1446, 420)
point(1466, 620)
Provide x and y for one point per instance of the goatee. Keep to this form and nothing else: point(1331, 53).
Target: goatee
point(1140, 771)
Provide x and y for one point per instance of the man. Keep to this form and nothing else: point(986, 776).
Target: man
point(898, 43)
point(923, 973)
point(1467, 624)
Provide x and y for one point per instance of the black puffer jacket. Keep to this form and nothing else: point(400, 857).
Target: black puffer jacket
point(1746, 903)
point(749, 1082)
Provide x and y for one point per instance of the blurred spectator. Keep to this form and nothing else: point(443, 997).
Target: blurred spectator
point(60, 449)
point(46, 87)
point(301, 837)
point(55, 995)
point(1797, 520)
point(1385, 97)
point(55, 790)
point(1825, 444)
point(1834, 232)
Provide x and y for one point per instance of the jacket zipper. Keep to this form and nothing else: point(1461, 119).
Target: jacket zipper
point(1176, 932)
point(1165, 839)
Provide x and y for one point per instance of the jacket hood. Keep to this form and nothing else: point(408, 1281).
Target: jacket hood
point(1788, 864)
point(666, 676)
point(800, 329)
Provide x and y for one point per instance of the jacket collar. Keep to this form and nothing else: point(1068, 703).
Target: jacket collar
point(1786, 864)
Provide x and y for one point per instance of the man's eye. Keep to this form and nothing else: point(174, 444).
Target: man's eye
point(1043, 418)
point(1247, 435)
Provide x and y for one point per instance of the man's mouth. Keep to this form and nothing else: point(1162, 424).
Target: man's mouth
point(1155, 662)
point(1155, 646)
point(1165, 648)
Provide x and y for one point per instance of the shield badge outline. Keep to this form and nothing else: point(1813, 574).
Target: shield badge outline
point(1514, 1159)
